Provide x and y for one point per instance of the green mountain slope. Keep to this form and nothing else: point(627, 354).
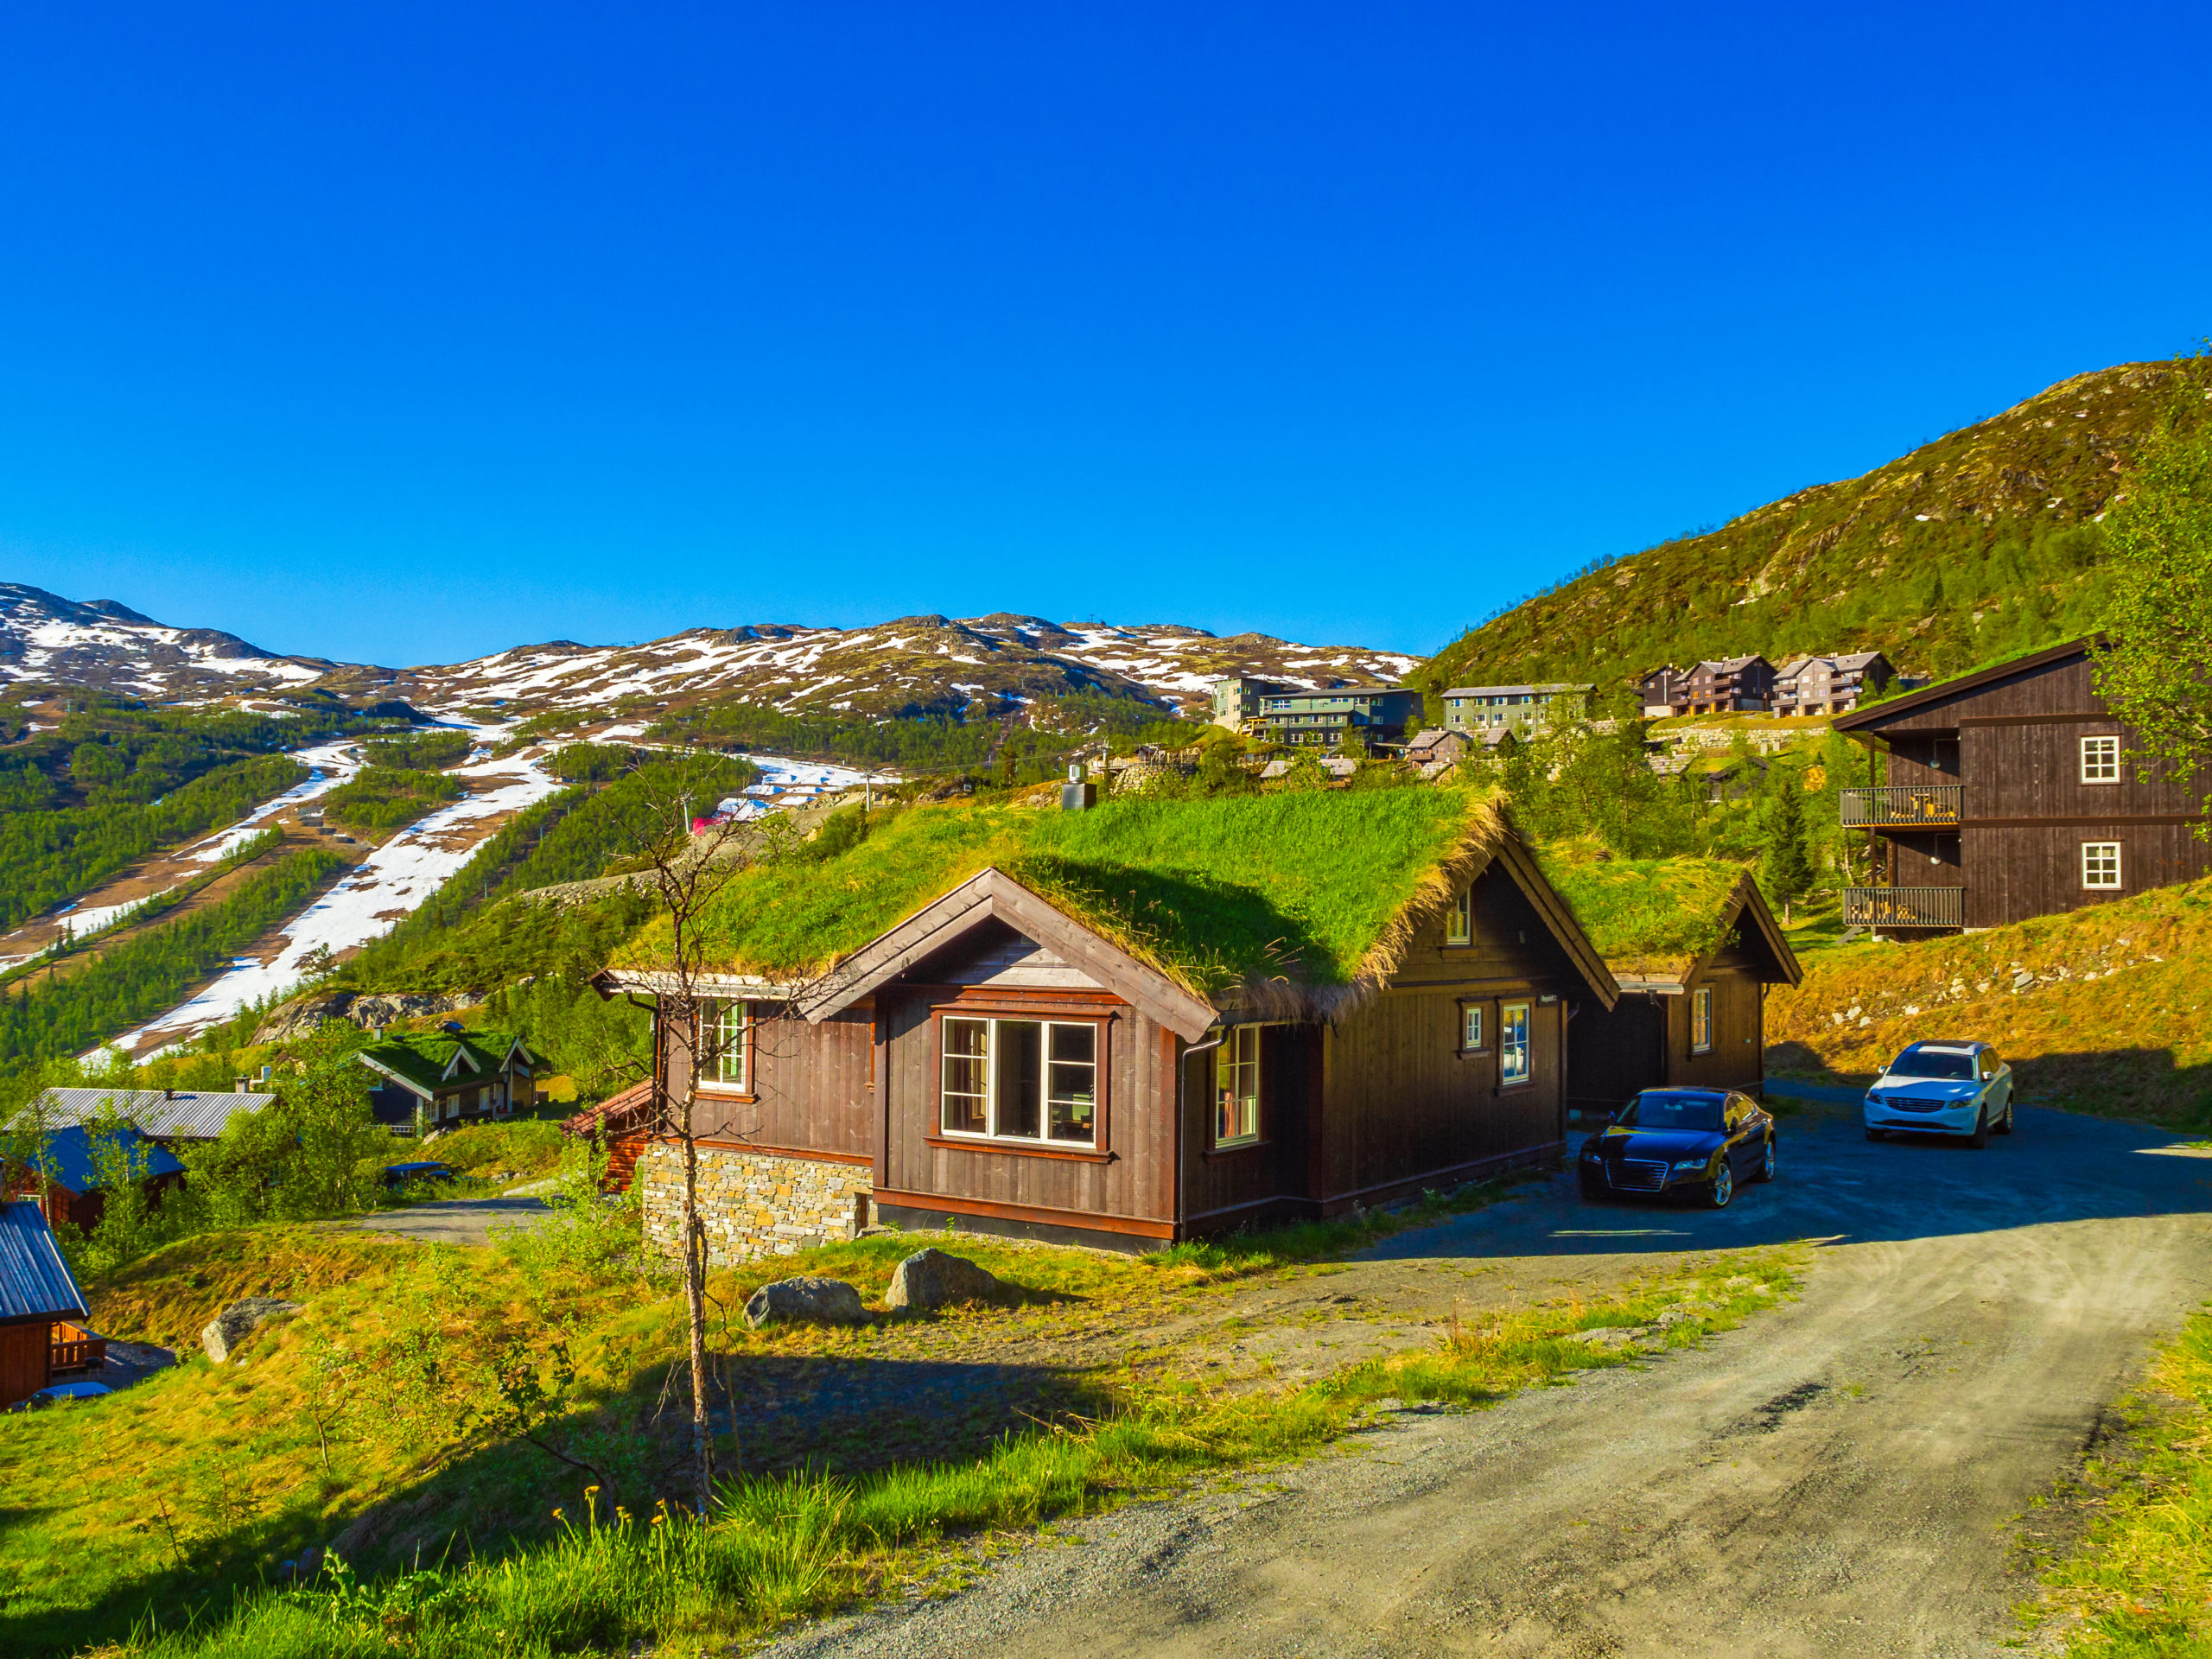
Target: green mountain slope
point(1983, 542)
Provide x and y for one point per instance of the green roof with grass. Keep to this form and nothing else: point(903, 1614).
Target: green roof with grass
point(1309, 888)
point(422, 1056)
point(1648, 918)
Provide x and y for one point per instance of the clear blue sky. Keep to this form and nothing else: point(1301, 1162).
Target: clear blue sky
point(406, 333)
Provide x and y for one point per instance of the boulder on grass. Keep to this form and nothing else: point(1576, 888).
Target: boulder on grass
point(238, 1321)
point(932, 1279)
point(806, 1302)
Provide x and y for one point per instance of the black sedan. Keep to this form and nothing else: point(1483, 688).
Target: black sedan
point(1698, 1142)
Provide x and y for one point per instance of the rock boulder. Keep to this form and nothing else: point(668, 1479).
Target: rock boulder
point(238, 1321)
point(932, 1279)
point(806, 1302)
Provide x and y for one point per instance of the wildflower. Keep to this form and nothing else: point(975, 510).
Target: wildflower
point(560, 1515)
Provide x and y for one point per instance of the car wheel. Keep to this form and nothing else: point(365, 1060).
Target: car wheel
point(1724, 1188)
point(1878, 1135)
point(1590, 1193)
point(1766, 1163)
point(2004, 1124)
point(1979, 1138)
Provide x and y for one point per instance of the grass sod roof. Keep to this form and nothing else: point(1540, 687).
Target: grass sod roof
point(1648, 918)
point(422, 1056)
point(1303, 893)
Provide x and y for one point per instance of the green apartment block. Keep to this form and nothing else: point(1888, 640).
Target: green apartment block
point(1522, 709)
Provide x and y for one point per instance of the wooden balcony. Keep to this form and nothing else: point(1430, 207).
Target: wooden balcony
point(1904, 907)
point(1924, 806)
point(75, 1349)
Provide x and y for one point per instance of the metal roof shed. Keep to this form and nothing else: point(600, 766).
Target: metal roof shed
point(35, 1284)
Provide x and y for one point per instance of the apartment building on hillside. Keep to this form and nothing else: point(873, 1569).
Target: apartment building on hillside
point(1236, 699)
point(1518, 708)
point(1377, 713)
point(1832, 684)
point(1728, 685)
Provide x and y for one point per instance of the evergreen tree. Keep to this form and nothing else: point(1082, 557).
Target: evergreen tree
point(1789, 869)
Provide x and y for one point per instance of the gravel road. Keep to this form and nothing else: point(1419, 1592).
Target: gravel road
point(1846, 1475)
point(455, 1221)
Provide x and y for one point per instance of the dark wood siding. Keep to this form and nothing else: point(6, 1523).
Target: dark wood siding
point(1736, 1057)
point(809, 1086)
point(26, 1353)
point(1611, 1055)
point(1128, 1185)
point(1278, 1176)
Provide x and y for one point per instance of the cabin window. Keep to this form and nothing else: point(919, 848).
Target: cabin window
point(1514, 1061)
point(1021, 1080)
point(1237, 1087)
point(725, 1026)
point(1459, 919)
point(1701, 1020)
point(2099, 760)
point(1470, 1027)
point(2100, 863)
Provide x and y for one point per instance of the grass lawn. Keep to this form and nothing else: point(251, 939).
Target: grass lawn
point(369, 1423)
point(2140, 1586)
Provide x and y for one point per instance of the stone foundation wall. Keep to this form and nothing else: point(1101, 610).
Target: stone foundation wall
point(755, 1202)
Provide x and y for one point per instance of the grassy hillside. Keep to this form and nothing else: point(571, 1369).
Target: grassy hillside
point(1983, 541)
point(2102, 1010)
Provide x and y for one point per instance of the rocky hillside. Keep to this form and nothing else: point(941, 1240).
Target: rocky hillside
point(988, 666)
point(45, 640)
point(1980, 542)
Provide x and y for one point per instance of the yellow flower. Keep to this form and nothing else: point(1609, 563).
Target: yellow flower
point(560, 1515)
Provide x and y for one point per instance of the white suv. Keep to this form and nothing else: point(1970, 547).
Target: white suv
point(1942, 1089)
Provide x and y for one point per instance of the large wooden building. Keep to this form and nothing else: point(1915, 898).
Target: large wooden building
point(2008, 793)
point(39, 1305)
point(1118, 1034)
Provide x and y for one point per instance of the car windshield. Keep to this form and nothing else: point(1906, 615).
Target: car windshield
point(1934, 1064)
point(1672, 1108)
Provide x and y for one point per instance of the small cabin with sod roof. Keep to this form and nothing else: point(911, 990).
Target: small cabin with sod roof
point(452, 1075)
point(1125, 1026)
point(1693, 947)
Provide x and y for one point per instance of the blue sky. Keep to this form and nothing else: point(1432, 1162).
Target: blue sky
point(408, 333)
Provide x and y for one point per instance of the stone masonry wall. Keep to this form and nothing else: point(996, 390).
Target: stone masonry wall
point(755, 1202)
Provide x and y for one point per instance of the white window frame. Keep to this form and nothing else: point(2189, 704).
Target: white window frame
point(2100, 759)
point(1470, 1027)
point(1459, 919)
point(2100, 860)
point(1046, 1063)
point(1701, 1020)
point(731, 1026)
point(1516, 1044)
point(1237, 1082)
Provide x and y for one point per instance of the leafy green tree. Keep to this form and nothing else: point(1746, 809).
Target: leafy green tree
point(2156, 671)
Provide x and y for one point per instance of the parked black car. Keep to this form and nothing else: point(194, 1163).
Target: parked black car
point(1693, 1142)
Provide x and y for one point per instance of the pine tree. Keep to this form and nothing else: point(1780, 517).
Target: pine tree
point(1789, 869)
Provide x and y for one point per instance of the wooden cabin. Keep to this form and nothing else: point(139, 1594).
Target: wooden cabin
point(39, 1302)
point(175, 1117)
point(451, 1075)
point(1141, 1023)
point(2009, 793)
point(70, 1175)
point(621, 1126)
point(1693, 973)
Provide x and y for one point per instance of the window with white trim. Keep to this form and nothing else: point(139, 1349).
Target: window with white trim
point(1237, 1087)
point(1701, 1020)
point(1021, 1080)
point(2099, 760)
point(725, 1028)
point(1514, 1059)
point(2101, 864)
point(1471, 1027)
point(1459, 919)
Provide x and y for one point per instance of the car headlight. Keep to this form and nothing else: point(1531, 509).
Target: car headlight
point(1687, 1164)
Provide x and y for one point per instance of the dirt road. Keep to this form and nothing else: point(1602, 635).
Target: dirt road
point(1845, 1476)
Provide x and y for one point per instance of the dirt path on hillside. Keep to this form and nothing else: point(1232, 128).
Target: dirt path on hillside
point(1846, 1475)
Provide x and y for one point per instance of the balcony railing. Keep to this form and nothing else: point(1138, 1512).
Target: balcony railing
point(75, 1349)
point(1904, 907)
point(1910, 807)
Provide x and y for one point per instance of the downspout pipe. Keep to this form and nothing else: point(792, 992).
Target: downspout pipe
point(1182, 1071)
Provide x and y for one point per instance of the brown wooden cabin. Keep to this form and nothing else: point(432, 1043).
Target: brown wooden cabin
point(65, 1175)
point(993, 1063)
point(38, 1303)
point(2008, 794)
point(1698, 1022)
point(622, 1124)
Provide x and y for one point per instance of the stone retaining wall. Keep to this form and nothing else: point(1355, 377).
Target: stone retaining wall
point(755, 1202)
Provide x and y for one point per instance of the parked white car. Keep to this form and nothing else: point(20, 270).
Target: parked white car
point(1960, 1089)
